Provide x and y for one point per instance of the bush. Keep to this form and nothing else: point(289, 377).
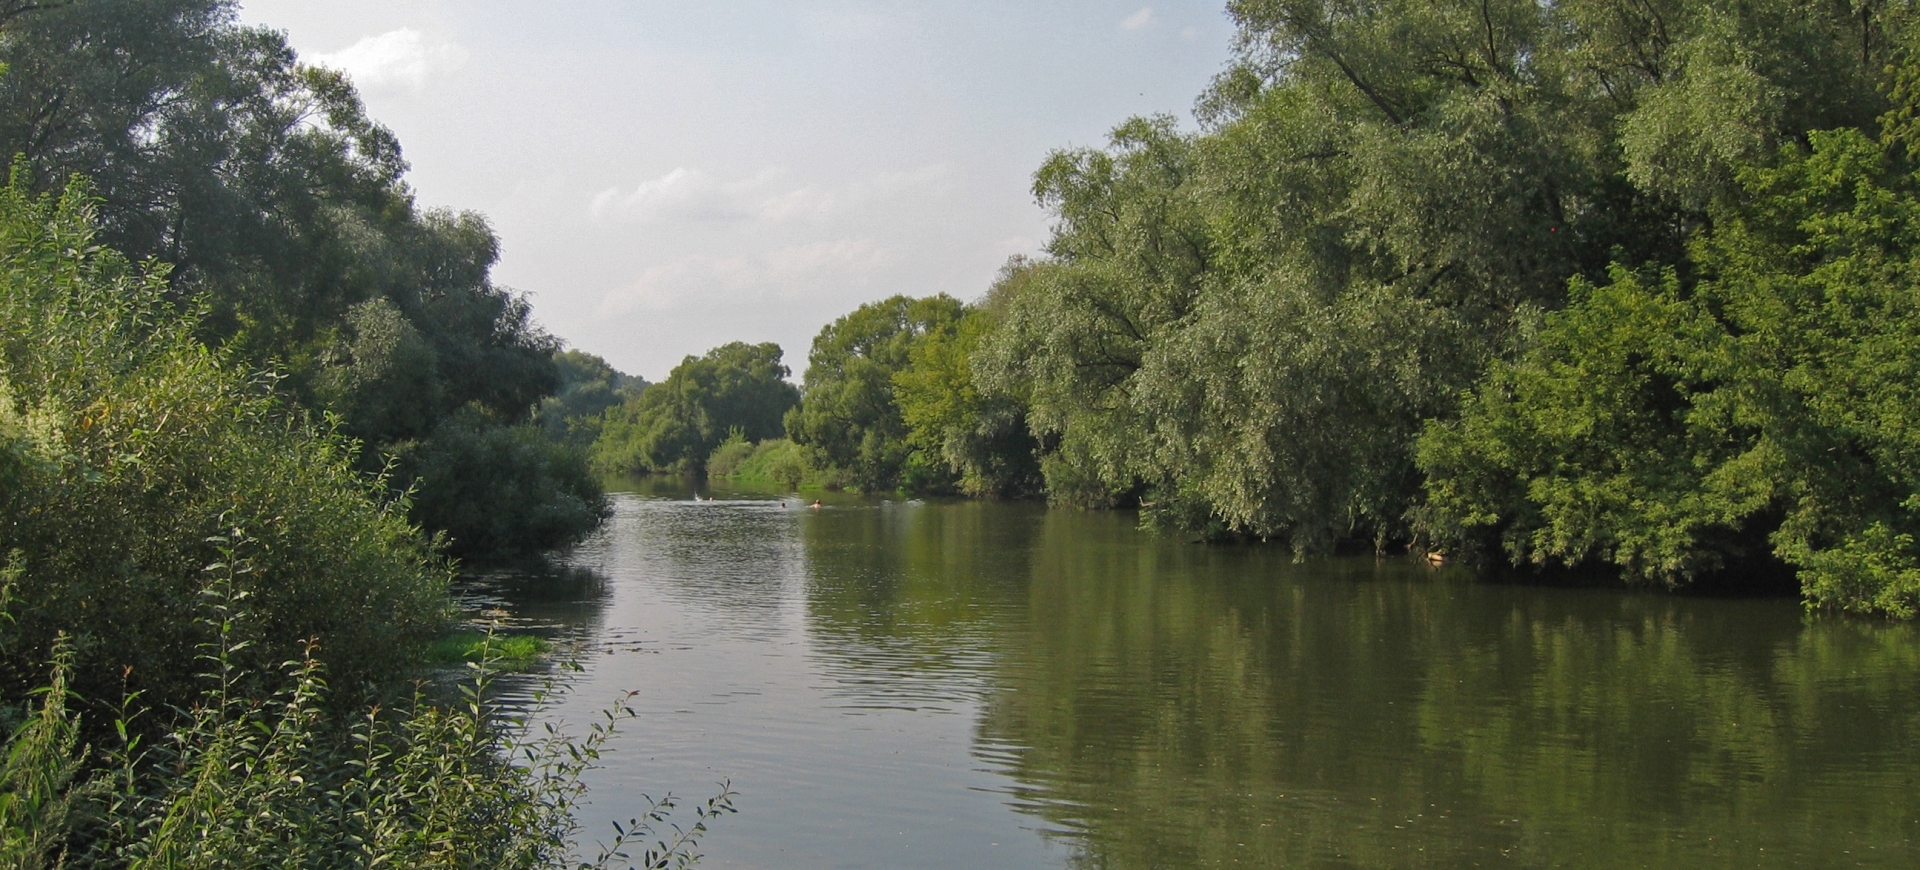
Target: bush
point(726, 458)
point(780, 461)
point(239, 784)
point(500, 491)
point(132, 457)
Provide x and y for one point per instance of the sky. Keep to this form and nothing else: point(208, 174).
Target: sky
point(666, 177)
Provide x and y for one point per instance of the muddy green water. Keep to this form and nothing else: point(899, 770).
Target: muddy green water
point(994, 685)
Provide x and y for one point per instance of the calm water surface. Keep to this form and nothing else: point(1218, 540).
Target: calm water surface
point(972, 684)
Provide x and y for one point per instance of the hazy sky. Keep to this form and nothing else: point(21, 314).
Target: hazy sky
point(666, 177)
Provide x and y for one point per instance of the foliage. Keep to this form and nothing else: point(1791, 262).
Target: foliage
point(500, 490)
point(238, 783)
point(775, 460)
point(38, 788)
point(675, 425)
point(982, 438)
point(588, 387)
point(1670, 428)
point(282, 208)
point(383, 382)
point(1245, 328)
point(174, 534)
point(1621, 404)
point(726, 458)
point(849, 416)
point(505, 650)
point(128, 450)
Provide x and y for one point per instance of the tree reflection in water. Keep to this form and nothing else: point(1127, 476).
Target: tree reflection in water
point(1157, 703)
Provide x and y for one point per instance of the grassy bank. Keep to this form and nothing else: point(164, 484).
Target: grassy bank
point(507, 651)
point(775, 461)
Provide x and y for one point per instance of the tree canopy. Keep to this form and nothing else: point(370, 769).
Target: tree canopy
point(282, 209)
point(1245, 328)
point(850, 418)
point(673, 426)
point(1588, 282)
point(1675, 428)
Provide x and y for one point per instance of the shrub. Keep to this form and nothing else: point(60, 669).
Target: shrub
point(240, 784)
point(500, 491)
point(780, 461)
point(726, 458)
point(129, 456)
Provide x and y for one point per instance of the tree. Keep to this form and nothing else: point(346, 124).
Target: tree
point(281, 207)
point(1768, 409)
point(982, 437)
point(675, 425)
point(588, 387)
point(848, 416)
point(148, 484)
point(1244, 329)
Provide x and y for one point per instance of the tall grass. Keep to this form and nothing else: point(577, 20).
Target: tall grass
point(238, 783)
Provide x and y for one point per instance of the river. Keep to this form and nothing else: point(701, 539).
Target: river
point(968, 684)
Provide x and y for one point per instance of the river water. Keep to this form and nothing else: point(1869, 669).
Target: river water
point(973, 684)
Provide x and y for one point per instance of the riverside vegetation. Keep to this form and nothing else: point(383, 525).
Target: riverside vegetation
point(283, 212)
point(184, 547)
point(1594, 284)
point(1590, 283)
point(249, 398)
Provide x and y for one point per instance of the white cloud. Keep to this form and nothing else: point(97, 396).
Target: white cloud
point(401, 57)
point(851, 257)
point(683, 194)
point(694, 195)
point(1138, 19)
point(784, 272)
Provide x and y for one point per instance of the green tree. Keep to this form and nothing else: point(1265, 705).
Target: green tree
point(1670, 428)
point(132, 458)
point(588, 387)
point(675, 425)
point(849, 416)
point(982, 438)
point(282, 208)
point(1244, 328)
point(500, 491)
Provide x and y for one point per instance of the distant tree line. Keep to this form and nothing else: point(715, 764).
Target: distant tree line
point(1597, 282)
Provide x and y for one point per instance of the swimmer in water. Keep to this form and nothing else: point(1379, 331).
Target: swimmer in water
point(816, 503)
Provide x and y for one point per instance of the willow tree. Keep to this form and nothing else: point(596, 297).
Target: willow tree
point(1244, 328)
